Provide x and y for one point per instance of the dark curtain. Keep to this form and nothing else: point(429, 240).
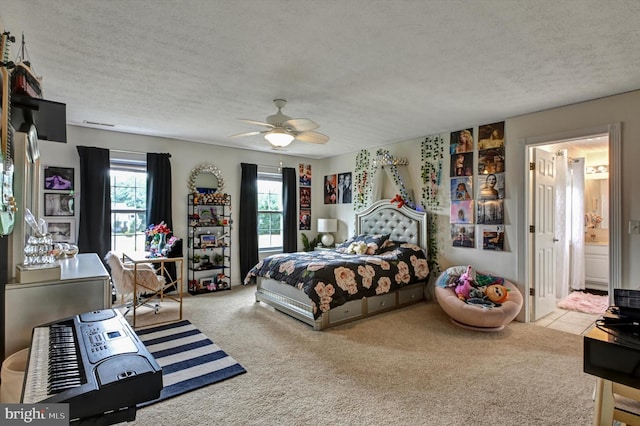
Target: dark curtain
point(159, 189)
point(159, 200)
point(248, 232)
point(94, 234)
point(290, 208)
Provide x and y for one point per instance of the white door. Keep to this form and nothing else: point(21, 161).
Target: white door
point(544, 242)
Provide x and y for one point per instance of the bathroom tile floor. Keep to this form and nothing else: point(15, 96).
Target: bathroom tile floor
point(568, 321)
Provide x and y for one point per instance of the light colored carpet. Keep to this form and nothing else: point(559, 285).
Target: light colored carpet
point(406, 367)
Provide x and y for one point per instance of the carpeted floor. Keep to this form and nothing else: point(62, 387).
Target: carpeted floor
point(406, 367)
point(582, 301)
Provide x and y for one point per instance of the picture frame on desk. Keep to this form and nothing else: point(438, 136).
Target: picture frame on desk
point(62, 230)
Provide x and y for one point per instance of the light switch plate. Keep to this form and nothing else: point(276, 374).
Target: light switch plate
point(634, 226)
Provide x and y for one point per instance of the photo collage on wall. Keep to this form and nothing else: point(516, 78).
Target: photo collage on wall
point(304, 171)
point(338, 188)
point(59, 203)
point(477, 194)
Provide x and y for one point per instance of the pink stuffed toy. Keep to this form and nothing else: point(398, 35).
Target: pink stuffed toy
point(464, 285)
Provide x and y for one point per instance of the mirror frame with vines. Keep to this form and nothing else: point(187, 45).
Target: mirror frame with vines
point(205, 168)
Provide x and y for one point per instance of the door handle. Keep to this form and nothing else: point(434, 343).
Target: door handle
point(555, 240)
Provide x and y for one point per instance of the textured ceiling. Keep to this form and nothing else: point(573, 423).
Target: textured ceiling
point(369, 72)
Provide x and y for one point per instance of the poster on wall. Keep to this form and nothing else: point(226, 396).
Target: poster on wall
point(462, 236)
point(462, 164)
point(461, 212)
point(304, 170)
point(305, 220)
point(344, 188)
point(491, 161)
point(493, 238)
point(491, 136)
point(461, 188)
point(305, 197)
point(491, 186)
point(461, 141)
point(490, 212)
point(330, 189)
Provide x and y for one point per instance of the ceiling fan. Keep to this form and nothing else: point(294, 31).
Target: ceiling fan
point(282, 129)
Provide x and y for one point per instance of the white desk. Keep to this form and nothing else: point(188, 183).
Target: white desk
point(83, 286)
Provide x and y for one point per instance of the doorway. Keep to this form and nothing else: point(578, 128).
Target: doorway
point(601, 146)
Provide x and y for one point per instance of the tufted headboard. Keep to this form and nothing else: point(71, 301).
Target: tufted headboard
point(403, 224)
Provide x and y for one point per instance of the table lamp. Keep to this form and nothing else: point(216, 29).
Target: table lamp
point(326, 226)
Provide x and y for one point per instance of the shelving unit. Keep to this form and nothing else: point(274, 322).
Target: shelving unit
point(209, 243)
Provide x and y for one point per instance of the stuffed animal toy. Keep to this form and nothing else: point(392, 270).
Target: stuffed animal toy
point(464, 284)
point(398, 199)
point(497, 293)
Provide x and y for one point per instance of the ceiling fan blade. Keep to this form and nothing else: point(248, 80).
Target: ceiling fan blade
point(259, 123)
point(239, 135)
point(300, 124)
point(312, 137)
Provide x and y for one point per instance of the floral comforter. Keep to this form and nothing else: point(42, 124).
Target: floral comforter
point(331, 278)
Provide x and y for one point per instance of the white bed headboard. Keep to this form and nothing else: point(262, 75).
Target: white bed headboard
point(403, 224)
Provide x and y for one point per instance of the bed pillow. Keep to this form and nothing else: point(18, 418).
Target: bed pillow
point(374, 243)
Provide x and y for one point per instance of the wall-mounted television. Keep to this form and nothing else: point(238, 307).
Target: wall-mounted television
point(49, 117)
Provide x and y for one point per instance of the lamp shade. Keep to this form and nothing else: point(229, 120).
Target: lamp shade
point(279, 138)
point(327, 225)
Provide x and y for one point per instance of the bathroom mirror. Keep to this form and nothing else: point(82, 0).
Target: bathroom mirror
point(206, 179)
point(596, 199)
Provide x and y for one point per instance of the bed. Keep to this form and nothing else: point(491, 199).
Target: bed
point(307, 302)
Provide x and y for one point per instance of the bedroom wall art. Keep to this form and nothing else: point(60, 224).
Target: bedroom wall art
point(463, 236)
point(330, 183)
point(432, 155)
point(362, 181)
point(304, 196)
point(493, 238)
point(344, 188)
point(400, 178)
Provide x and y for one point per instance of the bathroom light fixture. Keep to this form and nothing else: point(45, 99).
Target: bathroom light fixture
point(279, 138)
point(597, 169)
point(327, 226)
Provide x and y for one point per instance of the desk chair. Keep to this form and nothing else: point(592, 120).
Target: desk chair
point(615, 401)
point(122, 276)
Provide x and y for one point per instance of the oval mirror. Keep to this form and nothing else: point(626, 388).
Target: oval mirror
point(206, 179)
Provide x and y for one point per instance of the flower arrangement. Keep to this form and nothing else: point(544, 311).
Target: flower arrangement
point(592, 220)
point(156, 237)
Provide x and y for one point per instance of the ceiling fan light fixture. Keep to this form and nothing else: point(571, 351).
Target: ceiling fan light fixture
point(279, 138)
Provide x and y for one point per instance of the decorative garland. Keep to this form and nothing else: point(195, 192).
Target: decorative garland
point(363, 177)
point(432, 153)
point(205, 168)
point(385, 159)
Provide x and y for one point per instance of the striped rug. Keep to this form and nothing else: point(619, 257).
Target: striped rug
point(189, 359)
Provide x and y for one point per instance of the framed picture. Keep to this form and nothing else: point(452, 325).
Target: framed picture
point(344, 188)
point(62, 230)
point(207, 240)
point(330, 182)
point(58, 204)
point(58, 178)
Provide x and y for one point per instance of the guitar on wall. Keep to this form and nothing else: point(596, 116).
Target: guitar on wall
point(7, 204)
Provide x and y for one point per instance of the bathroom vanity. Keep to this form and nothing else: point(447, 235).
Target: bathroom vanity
point(596, 266)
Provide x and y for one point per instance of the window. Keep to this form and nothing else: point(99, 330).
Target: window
point(269, 211)
point(128, 204)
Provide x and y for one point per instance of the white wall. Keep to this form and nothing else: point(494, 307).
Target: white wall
point(596, 113)
point(185, 156)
